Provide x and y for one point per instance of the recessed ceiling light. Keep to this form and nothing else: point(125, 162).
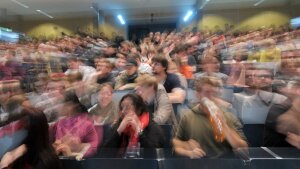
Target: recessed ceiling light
point(44, 13)
point(258, 3)
point(122, 21)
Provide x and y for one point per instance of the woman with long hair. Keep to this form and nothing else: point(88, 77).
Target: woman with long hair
point(36, 151)
point(135, 126)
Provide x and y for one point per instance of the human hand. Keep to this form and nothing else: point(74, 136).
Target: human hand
point(64, 149)
point(293, 139)
point(6, 160)
point(130, 119)
point(195, 149)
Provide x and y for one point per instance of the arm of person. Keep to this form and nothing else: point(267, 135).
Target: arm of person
point(233, 131)
point(177, 95)
point(120, 81)
point(293, 139)
point(164, 107)
point(128, 86)
point(190, 148)
point(234, 139)
point(12, 156)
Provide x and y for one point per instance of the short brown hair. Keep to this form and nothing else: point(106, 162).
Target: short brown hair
point(212, 81)
point(147, 80)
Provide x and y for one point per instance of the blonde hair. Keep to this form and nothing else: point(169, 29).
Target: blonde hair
point(147, 80)
point(212, 81)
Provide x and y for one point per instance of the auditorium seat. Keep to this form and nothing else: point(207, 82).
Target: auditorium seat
point(227, 94)
point(254, 134)
point(118, 94)
point(168, 133)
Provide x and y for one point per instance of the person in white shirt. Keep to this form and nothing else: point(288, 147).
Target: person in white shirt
point(76, 65)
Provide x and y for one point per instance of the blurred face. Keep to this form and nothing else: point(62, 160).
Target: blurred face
point(40, 86)
point(131, 70)
point(105, 96)
point(262, 79)
point(103, 67)
point(292, 90)
point(212, 66)
point(249, 78)
point(109, 51)
point(56, 88)
point(157, 68)
point(120, 63)
point(127, 106)
point(73, 64)
point(207, 91)
point(68, 108)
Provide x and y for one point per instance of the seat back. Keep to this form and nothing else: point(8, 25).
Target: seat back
point(168, 133)
point(254, 134)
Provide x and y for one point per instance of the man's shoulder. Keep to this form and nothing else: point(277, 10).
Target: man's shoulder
point(172, 77)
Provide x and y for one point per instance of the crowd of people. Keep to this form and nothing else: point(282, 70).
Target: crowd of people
point(57, 97)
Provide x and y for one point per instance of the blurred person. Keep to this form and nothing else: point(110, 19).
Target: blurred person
point(271, 53)
point(39, 88)
point(182, 59)
point(120, 64)
point(142, 67)
point(285, 122)
point(104, 73)
point(13, 65)
point(290, 66)
point(255, 102)
point(51, 99)
point(105, 111)
point(170, 81)
point(84, 91)
point(211, 67)
point(156, 99)
point(76, 65)
point(126, 46)
point(110, 51)
point(196, 136)
point(126, 79)
point(237, 71)
point(74, 135)
point(35, 151)
point(135, 126)
point(8, 90)
point(172, 68)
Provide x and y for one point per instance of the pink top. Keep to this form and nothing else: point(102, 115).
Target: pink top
point(80, 127)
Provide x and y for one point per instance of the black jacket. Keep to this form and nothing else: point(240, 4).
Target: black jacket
point(152, 137)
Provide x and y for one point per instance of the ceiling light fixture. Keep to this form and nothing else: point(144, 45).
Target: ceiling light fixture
point(44, 13)
point(187, 16)
point(19, 3)
point(120, 17)
point(204, 4)
point(258, 3)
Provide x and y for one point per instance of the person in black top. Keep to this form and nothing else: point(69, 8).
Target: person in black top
point(170, 81)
